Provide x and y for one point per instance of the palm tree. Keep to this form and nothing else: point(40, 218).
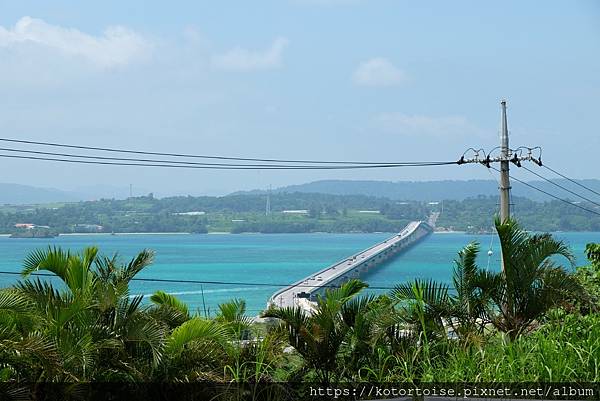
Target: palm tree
point(531, 282)
point(97, 331)
point(318, 336)
point(365, 318)
point(422, 306)
point(89, 328)
point(226, 348)
point(232, 315)
point(169, 309)
point(194, 351)
point(25, 355)
point(252, 354)
point(469, 302)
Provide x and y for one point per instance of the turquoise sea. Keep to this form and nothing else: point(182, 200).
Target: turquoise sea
point(264, 258)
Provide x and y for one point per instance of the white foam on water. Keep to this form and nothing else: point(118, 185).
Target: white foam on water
point(240, 289)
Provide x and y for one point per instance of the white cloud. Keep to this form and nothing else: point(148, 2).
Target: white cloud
point(117, 46)
point(378, 72)
point(419, 125)
point(240, 59)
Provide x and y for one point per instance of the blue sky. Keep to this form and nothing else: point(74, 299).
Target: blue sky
point(333, 79)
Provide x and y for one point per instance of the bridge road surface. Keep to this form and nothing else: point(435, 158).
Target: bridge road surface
point(351, 267)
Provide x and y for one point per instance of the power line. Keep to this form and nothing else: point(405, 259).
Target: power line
point(91, 157)
point(572, 180)
point(240, 283)
point(139, 152)
point(549, 194)
point(232, 166)
point(560, 186)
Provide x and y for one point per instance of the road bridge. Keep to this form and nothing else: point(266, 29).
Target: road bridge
point(304, 291)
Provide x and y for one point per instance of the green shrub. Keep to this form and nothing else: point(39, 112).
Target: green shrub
point(566, 348)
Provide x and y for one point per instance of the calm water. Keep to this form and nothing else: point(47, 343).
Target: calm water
point(273, 258)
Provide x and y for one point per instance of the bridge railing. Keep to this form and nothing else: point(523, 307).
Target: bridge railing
point(421, 224)
point(412, 230)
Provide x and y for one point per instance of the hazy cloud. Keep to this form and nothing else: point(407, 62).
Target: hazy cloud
point(378, 72)
point(240, 59)
point(420, 125)
point(117, 46)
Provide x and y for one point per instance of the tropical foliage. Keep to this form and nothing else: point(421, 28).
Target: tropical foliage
point(589, 277)
point(530, 321)
point(83, 325)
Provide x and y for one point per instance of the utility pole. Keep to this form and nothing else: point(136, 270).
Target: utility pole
point(268, 205)
point(506, 156)
point(504, 166)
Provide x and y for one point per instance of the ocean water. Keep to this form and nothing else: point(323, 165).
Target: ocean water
point(264, 262)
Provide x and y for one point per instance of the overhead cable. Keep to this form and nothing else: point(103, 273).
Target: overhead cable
point(560, 186)
point(227, 167)
point(140, 152)
point(571, 180)
point(251, 284)
point(549, 194)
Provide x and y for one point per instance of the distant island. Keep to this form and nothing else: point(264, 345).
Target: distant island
point(34, 233)
point(285, 213)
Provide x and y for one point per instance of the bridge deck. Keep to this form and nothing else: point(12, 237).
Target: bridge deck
point(350, 267)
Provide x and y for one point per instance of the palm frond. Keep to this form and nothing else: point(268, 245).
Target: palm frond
point(79, 277)
point(52, 259)
point(543, 246)
point(168, 309)
point(148, 333)
point(162, 298)
point(42, 294)
point(195, 330)
point(168, 316)
point(233, 310)
point(14, 301)
point(106, 266)
point(142, 260)
point(88, 256)
point(430, 291)
point(531, 281)
point(232, 315)
point(356, 308)
point(296, 324)
point(465, 267)
point(333, 299)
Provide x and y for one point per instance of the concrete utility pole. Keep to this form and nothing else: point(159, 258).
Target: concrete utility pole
point(504, 163)
point(268, 205)
point(505, 157)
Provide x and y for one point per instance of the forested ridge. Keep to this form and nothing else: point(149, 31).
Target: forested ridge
point(289, 212)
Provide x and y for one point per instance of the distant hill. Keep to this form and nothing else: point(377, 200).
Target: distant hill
point(24, 194)
point(434, 190)
point(18, 194)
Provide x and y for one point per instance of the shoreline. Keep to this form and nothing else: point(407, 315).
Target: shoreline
point(257, 233)
point(117, 234)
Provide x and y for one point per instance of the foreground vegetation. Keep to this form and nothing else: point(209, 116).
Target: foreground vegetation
point(323, 213)
point(536, 321)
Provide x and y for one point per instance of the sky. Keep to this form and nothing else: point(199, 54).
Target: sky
point(310, 79)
